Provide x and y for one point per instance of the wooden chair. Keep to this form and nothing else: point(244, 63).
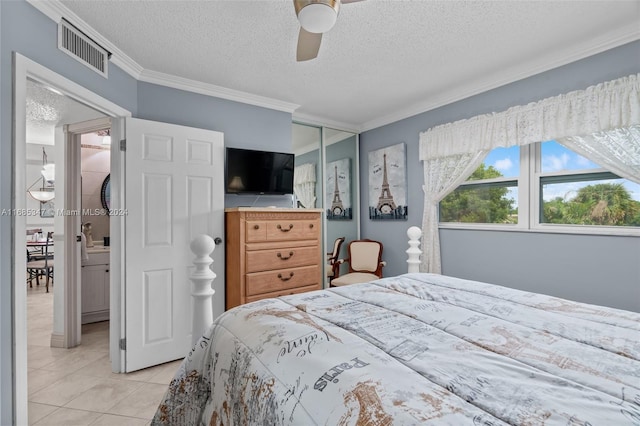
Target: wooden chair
point(365, 263)
point(333, 266)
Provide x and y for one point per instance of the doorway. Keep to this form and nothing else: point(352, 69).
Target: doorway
point(52, 369)
point(26, 70)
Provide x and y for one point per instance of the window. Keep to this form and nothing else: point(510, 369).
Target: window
point(490, 195)
point(555, 188)
point(575, 191)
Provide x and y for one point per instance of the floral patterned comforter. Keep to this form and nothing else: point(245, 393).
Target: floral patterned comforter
point(413, 349)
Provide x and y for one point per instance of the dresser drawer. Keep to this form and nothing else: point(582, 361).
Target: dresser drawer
point(255, 231)
point(271, 252)
point(283, 293)
point(281, 230)
point(287, 257)
point(264, 282)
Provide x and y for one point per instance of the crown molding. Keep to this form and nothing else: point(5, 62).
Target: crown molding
point(55, 10)
point(315, 120)
point(215, 91)
point(306, 148)
point(615, 38)
point(339, 137)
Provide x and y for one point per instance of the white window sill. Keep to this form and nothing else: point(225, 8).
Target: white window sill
point(546, 229)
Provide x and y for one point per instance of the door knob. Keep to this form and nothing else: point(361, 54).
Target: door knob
point(217, 241)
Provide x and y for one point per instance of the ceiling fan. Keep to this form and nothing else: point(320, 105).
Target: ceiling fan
point(316, 17)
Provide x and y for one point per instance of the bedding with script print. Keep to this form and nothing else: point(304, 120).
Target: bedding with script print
point(413, 349)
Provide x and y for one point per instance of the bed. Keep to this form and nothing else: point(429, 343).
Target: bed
point(414, 349)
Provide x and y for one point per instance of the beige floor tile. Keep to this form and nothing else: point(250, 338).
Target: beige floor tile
point(140, 375)
point(74, 361)
point(96, 344)
point(143, 403)
point(65, 389)
point(111, 420)
point(81, 377)
point(100, 368)
point(38, 379)
point(68, 417)
point(39, 356)
point(39, 411)
point(104, 395)
point(39, 337)
point(94, 327)
point(165, 373)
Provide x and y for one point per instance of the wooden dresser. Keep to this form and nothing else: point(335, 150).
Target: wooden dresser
point(271, 252)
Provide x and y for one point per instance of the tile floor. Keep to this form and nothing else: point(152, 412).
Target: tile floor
point(76, 386)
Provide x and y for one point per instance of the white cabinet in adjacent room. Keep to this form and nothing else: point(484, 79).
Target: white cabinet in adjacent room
point(95, 286)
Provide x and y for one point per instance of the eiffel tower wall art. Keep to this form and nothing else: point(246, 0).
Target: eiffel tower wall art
point(388, 183)
point(338, 190)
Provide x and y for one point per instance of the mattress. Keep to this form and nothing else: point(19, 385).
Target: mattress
point(412, 349)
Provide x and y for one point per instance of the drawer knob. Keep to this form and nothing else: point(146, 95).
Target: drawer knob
point(286, 230)
point(284, 257)
point(256, 226)
point(311, 225)
point(285, 278)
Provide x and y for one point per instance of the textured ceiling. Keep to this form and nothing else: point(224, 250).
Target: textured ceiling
point(384, 59)
point(47, 108)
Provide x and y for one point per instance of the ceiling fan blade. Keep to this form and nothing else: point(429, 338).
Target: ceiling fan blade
point(350, 1)
point(308, 45)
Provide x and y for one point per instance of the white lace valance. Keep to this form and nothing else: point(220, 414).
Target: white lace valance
point(599, 123)
point(610, 105)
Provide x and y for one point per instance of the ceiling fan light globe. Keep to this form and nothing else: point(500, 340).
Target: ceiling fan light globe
point(317, 17)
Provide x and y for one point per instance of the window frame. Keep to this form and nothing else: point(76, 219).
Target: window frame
point(530, 202)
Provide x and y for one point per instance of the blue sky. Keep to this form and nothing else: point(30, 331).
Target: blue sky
point(555, 157)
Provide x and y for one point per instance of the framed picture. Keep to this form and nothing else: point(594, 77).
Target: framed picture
point(47, 208)
point(338, 190)
point(388, 183)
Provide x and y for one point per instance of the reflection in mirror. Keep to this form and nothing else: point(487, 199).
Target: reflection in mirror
point(307, 176)
point(341, 193)
point(105, 193)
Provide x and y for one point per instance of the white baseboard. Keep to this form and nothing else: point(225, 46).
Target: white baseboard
point(95, 316)
point(57, 340)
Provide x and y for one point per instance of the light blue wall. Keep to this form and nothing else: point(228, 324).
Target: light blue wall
point(595, 269)
point(243, 125)
point(25, 30)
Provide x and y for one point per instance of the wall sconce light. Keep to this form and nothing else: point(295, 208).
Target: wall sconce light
point(48, 173)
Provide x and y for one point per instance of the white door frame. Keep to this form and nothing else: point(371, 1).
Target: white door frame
point(24, 68)
point(72, 134)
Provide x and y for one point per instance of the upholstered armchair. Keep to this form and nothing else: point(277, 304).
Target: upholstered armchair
point(365, 263)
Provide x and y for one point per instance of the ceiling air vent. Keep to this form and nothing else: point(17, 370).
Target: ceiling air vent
point(77, 45)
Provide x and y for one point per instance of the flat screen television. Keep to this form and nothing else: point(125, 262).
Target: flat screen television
point(258, 172)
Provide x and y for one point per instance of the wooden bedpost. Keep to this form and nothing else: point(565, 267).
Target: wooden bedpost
point(201, 289)
point(413, 252)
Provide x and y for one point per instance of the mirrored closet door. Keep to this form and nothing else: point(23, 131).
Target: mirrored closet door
point(326, 177)
point(341, 189)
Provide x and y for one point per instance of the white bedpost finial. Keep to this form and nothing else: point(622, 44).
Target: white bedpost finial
point(413, 252)
point(201, 289)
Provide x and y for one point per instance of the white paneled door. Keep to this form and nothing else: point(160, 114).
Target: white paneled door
point(174, 191)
